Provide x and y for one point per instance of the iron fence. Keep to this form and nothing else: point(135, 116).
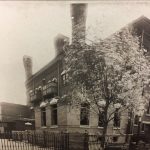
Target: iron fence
point(44, 140)
point(34, 141)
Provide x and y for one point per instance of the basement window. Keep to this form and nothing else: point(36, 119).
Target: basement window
point(84, 114)
point(43, 116)
point(54, 114)
point(117, 118)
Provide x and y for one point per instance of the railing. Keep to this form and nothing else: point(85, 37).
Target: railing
point(50, 89)
point(34, 141)
point(45, 140)
point(37, 96)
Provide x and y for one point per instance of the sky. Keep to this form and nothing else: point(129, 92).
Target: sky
point(29, 28)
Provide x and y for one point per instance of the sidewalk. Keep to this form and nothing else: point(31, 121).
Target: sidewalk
point(6, 144)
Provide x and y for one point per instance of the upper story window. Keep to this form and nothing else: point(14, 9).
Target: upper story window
point(43, 116)
point(31, 94)
point(117, 117)
point(43, 82)
point(65, 76)
point(84, 114)
point(54, 114)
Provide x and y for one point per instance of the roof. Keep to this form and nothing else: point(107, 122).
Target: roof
point(6, 103)
point(140, 23)
point(50, 64)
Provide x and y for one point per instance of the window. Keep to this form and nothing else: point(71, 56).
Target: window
point(65, 78)
point(143, 127)
point(148, 109)
point(115, 138)
point(136, 120)
point(54, 114)
point(101, 119)
point(84, 114)
point(43, 116)
point(43, 82)
point(117, 118)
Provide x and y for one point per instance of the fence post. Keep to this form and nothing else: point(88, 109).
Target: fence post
point(66, 141)
point(28, 137)
point(44, 138)
point(86, 140)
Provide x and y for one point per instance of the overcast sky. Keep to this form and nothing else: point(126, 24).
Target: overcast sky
point(28, 28)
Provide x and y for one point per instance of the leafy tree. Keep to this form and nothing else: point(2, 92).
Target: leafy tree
point(108, 75)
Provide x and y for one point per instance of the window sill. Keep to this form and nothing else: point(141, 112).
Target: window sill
point(54, 126)
point(84, 126)
point(148, 115)
point(43, 127)
point(116, 128)
point(100, 127)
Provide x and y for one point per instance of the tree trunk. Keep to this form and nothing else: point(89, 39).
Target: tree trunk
point(104, 136)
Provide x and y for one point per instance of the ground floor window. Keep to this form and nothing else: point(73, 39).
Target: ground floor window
point(54, 114)
point(101, 119)
point(84, 114)
point(143, 127)
point(136, 120)
point(117, 118)
point(43, 116)
point(148, 109)
point(115, 139)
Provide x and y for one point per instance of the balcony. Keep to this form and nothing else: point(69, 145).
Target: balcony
point(50, 89)
point(36, 96)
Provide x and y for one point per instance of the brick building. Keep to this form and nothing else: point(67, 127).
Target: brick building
point(45, 87)
point(15, 117)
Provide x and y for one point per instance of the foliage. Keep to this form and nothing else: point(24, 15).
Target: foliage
point(111, 73)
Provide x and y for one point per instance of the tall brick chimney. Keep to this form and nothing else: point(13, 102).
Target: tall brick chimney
point(78, 16)
point(27, 60)
point(60, 42)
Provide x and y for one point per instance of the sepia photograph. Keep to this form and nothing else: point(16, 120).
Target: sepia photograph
point(75, 75)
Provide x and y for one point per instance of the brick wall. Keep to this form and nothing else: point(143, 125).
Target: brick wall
point(69, 119)
point(37, 118)
point(10, 111)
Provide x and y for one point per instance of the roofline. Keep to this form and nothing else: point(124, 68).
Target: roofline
point(50, 64)
point(1, 103)
point(128, 25)
point(57, 58)
point(138, 19)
